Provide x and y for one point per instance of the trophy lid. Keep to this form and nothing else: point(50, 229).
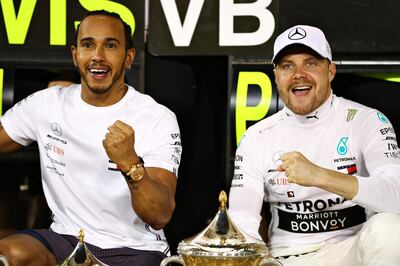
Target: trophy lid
point(81, 256)
point(222, 238)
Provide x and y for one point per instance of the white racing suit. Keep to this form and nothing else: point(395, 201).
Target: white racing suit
point(340, 135)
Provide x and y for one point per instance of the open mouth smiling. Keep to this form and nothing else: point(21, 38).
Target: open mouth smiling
point(99, 73)
point(301, 90)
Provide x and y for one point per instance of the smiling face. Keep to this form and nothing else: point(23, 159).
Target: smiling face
point(101, 57)
point(303, 79)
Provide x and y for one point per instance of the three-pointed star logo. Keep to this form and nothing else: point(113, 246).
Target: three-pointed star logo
point(297, 34)
point(56, 129)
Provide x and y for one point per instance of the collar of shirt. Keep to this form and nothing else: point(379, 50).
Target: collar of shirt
point(316, 116)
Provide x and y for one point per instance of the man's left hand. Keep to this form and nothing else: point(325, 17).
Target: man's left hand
point(119, 145)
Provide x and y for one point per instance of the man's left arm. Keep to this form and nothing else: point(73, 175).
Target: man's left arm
point(377, 192)
point(299, 170)
point(380, 190)
point(153, 196)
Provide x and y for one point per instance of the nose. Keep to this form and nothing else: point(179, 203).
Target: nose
point(299, 72)
point(98, 54)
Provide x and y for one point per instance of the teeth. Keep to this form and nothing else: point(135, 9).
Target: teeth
point(302, 88)
point(98, 70)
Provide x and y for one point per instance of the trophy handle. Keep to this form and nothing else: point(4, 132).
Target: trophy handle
point(168, 260)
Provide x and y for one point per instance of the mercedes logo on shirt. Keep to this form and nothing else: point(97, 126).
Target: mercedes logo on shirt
point(56, 129)
point(297, 34)
point(276, 157)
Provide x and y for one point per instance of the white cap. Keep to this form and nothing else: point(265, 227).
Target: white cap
point(309, 36)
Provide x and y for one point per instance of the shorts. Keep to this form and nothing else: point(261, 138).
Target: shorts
point(63, 245)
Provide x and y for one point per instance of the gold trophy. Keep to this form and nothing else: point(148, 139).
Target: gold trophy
point(81, 256)
point(221, 243)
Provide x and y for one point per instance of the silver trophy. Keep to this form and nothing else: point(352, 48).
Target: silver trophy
point(221, 243)
point(81, 256)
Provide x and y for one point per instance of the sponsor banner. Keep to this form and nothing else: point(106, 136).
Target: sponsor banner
point(393, 154)
point(43, 30)
point(323, 221)
point(212, 27)
point(244, 27)
point(253, 97)
point(351, 113)
point(349, 169)
point(342, 146)
point(387, 130)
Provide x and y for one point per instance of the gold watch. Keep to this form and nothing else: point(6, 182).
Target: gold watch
point(136, 172)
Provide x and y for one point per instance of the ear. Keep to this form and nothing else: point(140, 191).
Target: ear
point(275, 74)
point(73, 53)
point(332, 71)
point(130, 57)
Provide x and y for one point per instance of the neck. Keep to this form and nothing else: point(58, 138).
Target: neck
point(107, 98)
point(319, 114)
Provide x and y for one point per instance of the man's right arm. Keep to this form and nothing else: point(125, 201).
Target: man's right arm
point(7, 144)
point(247, 189)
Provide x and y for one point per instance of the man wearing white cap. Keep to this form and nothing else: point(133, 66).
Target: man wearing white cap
point(329, 167)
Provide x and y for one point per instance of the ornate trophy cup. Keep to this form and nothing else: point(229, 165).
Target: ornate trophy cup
point(81, 256)
point(221, 243)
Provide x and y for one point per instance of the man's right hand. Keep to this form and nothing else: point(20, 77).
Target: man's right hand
point(299, 170)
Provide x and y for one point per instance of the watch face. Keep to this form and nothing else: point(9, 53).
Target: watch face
point(138, 173)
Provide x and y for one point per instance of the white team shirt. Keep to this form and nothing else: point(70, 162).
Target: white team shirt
point(340, 135)
point(82, 186)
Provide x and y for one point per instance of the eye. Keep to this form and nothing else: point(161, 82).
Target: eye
point(87, 45)
point(285, 66)
point(311, 64)
point(111, 45)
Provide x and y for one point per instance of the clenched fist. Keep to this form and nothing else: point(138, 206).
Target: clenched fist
point(119, 145)
point(299, 170)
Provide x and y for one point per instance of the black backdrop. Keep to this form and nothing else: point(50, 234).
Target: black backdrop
point(195, 88)
point(198, 90)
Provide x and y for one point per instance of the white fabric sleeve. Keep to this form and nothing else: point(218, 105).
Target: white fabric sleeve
point(19, 121)
point(380, 191)
point(165, 147)
point(247, 189)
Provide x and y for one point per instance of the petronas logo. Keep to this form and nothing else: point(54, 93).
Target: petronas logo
point(342, 146)
point(382, 117)
point(350, 114)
